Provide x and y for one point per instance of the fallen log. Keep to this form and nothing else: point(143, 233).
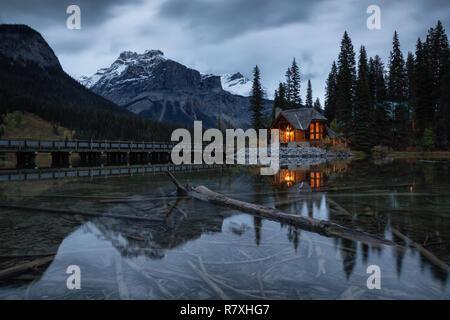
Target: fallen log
point(22, 268)
point(25, 255)
point(209, 282)
point(323, 227)
point(427, 254)
point(121, 285)
point(74, 212)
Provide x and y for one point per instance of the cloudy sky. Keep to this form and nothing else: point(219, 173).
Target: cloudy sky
point(223, 36)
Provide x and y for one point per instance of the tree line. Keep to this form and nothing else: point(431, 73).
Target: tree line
point(405, 106)
point(402, 106)
point(287, 96)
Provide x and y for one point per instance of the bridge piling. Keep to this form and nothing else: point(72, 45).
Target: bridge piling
point(90, 157)
point(60, 159)
point(25, 160)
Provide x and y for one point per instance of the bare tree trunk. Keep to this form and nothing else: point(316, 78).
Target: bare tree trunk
point(322, 227)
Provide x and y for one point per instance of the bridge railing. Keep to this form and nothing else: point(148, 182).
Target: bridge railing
point(31, 145)
point(24, 144)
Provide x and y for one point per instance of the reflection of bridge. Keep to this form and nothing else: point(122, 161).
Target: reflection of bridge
point(55, 173)
point(89, 151)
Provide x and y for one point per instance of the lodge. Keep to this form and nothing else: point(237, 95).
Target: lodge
point(303, 127)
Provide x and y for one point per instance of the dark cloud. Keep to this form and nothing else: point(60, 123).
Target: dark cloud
point(48, 12)
point(222, 36)
point(227, 18)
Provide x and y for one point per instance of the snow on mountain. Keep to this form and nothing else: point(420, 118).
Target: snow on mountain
point(236, 83)
point(152, 86)
point(146, 60)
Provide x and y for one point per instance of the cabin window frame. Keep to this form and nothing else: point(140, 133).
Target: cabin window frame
point(316, 131)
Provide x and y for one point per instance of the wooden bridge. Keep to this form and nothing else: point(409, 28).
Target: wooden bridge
point(90, 152)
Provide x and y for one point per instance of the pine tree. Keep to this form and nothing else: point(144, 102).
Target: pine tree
point(282, 96)
point(382, 123)
point(422, 89)
point(345, 86)
point(276, 104)
point(397, 93)
point(279, 100)
point(439, 56)
point(330, 94)
point(317, 106)
point(363, 125)
point(257, 101)
point(397, 73)
point(309, 98)
point(289, 88)
point(410, 76)
point(295, 76)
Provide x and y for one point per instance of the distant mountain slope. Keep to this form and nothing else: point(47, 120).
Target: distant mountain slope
point(22, 48)
point(32, 80)
point(153, 86)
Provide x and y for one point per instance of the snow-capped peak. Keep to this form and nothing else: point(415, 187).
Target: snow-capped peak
point(127, 58)
point(236, 83)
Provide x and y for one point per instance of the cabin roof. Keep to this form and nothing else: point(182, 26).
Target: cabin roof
point(301, 118)
point(332, 134)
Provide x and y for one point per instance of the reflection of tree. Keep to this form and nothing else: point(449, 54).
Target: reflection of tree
point(348, 256)
point(294, 236)
point(365, 252)
point(257, 224)
point(258, 185)
point(399, 254)
point(417, 214)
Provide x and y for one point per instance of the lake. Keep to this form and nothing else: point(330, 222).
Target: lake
point(178, 248)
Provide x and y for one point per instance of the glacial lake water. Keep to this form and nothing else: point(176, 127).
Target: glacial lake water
point(186, 249)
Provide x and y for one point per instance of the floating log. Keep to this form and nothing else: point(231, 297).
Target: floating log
point(22, 268)
point(72, 212)
point(261, 287)
point(322, 227)
point(26, 255)
point(341, 209)
point(209, 282)
point(130, 200)
point(427, 254)
point(121, 285)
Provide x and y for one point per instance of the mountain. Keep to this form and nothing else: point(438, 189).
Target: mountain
point(153, 86)
point(236, 83)
point(32, 80)
point(24, 49)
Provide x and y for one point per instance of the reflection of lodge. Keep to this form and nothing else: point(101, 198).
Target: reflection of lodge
point(315, 175)
point(304, 127)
